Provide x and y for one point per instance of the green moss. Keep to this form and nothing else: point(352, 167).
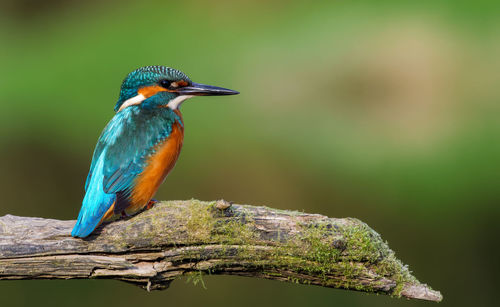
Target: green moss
point(363, 243)
point(204, 224)
point(200, 223)
point(319, 245)
point(315, 248)
point(196, 277)
point(339, 255)
point(397, 290)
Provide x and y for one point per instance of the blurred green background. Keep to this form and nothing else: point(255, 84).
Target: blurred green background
point(387, 111)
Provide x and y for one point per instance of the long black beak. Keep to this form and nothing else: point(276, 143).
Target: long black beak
point(197, 89)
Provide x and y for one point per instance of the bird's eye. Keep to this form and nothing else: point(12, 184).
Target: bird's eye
point(165, 83)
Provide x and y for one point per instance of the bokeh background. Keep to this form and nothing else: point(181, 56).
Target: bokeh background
point(387, 111)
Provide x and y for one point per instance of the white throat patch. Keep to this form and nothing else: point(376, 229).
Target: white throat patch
point(132, 101)
point(173, 104)
point(177, 101)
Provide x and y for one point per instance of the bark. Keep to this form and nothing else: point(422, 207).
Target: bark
point(193, 238)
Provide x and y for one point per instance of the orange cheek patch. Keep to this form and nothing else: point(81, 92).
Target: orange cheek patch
point(149, 91)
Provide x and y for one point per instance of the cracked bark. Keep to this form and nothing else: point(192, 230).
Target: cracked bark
point(179, 238)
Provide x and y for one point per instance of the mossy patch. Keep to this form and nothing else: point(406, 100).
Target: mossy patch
point(340, 253)
point(342, 256)
point(363, 243)
point(206, 224)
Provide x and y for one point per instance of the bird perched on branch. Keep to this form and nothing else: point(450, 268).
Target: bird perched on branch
point(139, 146)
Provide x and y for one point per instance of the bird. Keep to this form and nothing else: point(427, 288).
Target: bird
point(139, 146)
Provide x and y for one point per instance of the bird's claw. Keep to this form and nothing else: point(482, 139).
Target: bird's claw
point(151, 203)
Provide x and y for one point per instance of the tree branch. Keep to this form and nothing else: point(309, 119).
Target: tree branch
point(192, 238)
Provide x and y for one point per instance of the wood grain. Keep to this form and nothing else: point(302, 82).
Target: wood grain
point(193, 238)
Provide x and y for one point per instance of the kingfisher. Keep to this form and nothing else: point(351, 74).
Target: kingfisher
point(139, 146)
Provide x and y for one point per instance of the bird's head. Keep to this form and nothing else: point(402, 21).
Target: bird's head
point(154, 86)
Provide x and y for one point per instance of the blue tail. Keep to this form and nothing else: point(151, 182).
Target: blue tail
point(95, 203)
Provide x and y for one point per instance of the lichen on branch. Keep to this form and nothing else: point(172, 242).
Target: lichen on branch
point(177, 238)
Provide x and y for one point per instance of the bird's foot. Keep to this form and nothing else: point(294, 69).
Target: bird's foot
point(124, 215)
point(151, 203)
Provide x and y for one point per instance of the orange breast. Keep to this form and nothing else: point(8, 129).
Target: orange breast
point(158, 167)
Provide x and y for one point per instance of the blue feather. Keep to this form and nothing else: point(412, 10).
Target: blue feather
point(120, 156)
point(95, 203)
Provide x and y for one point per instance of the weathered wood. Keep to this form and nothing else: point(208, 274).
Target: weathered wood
point(193, 238)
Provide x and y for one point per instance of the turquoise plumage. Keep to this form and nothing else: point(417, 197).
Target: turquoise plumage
point(120, 156)
point(146, 129)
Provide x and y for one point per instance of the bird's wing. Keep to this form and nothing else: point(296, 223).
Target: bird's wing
point(97, 153)
point(120, 156)
point(130, 141)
